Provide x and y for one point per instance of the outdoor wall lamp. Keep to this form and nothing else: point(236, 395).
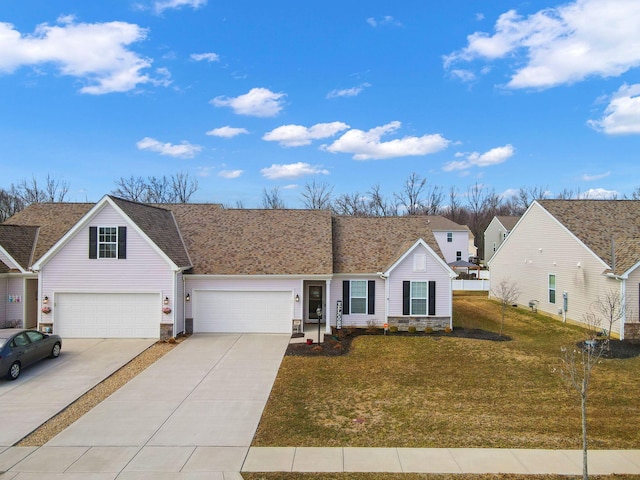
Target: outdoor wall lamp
point(297, 298)
point(46, 300)
point(166, 300)
point(188, 297)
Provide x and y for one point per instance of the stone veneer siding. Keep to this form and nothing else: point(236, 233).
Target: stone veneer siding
point(403, 323)
point(166, 331)
point(11, 323)
point(632, 331)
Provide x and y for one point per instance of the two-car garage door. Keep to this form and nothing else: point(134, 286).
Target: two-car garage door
point(108, 315)
point(242, 311)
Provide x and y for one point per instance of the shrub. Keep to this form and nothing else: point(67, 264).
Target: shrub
point(393, 329)
point(371, 326)
point(448, 330)
point(428, 330)
point(412, 329)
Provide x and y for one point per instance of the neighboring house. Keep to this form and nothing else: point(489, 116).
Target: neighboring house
point(496, 233)
point(565, 254)
point(456, 241)
point(125, 269)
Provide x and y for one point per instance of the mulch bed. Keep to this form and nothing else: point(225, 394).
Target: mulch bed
point(339, 343)
point(619, 349)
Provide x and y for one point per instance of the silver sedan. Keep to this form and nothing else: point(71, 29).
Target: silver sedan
point(20, 348)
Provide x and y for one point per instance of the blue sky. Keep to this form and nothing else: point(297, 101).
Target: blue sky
point(246, 95)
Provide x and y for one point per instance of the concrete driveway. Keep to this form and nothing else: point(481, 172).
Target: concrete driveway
point(192, 414)
point(47, 387)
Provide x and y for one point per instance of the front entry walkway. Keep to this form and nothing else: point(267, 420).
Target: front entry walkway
point(193, 413)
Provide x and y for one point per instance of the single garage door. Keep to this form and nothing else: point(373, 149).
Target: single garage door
point(242, 312)
point(108, 315)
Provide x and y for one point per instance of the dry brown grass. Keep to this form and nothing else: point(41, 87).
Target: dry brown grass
point(452, 392)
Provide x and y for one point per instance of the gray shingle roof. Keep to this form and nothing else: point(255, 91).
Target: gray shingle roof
point(599, 222)
point(18, 241)
point(508, 222)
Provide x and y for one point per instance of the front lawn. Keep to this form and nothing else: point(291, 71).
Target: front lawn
point(439, 391)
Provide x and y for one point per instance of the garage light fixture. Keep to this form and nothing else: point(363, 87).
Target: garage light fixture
point(188, 297)
point(297, 298)
point(166, 300)
point(46, 300)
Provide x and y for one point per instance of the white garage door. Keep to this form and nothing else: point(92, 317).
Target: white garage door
point(108, 315)
point(242, 312)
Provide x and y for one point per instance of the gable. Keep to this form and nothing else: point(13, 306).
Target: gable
point(16, 246)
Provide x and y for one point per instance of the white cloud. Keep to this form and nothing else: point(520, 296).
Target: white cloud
point(562, 45)
point(463, 75)
point(491, 157)
point(622, 115)
point(368, 145)
point(386, 20)
point(204, 171)
point(227, 132)
point(161, 5)
point(230, 174)
point(297, 135)
point(209, 57)
point(348, 92)
point(258, 102)
point(95, 53)
point(292, 170)
point(590, 178)
point(599, 194)
point(182, 150)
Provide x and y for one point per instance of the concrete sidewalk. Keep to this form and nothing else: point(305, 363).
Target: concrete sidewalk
point(49, 386)
point(440, 460)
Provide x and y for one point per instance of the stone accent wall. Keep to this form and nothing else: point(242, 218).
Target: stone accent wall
point(11, 323)
point(188, 326)
point(166, 331)
point(632, 332)
point(403, 323)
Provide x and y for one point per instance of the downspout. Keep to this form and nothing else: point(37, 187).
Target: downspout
point(386, 296)
point(623, 296)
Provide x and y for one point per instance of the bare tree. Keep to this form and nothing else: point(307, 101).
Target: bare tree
point(455, 211)
point(526, 196)
point(411, 195)
point(568, 194)
point(183, 187)
point(31, 191)
point(609, 308)
point(158, 190)
point(379, 206)
point(10, 203)
point(351, 204)
point(132, 188)
point(576, 369)
point(317, 196)
point(272, 198)
point(507, 291)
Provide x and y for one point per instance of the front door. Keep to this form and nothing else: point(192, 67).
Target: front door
point(31, 303)
point(315, 301)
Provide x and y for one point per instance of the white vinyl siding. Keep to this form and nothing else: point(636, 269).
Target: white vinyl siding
point(358, 294)
point(419, 262)
point(418, 298)
point(540, 245)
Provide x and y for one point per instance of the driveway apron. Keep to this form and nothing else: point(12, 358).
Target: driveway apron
point(195, 410)
point(49, 386)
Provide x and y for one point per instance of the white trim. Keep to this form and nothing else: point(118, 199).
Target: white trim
point(437, 258)
point(84, 222)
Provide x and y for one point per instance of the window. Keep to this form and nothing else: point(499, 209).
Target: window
point(107, 242)
point(449, 237)
point(358, 296)
point(418, 298)
point(552, 288)
point(458, 255)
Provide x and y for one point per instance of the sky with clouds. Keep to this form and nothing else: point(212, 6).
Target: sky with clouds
point(248, 96)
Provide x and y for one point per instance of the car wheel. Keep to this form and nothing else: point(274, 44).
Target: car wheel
point(14, 371)
point(55, 351)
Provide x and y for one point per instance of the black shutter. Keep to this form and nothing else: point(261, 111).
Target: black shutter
point(432, 297)
point(122, 242)
point(345, 297)
point(93, 242)
point(406, 297)
point(371, 297)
